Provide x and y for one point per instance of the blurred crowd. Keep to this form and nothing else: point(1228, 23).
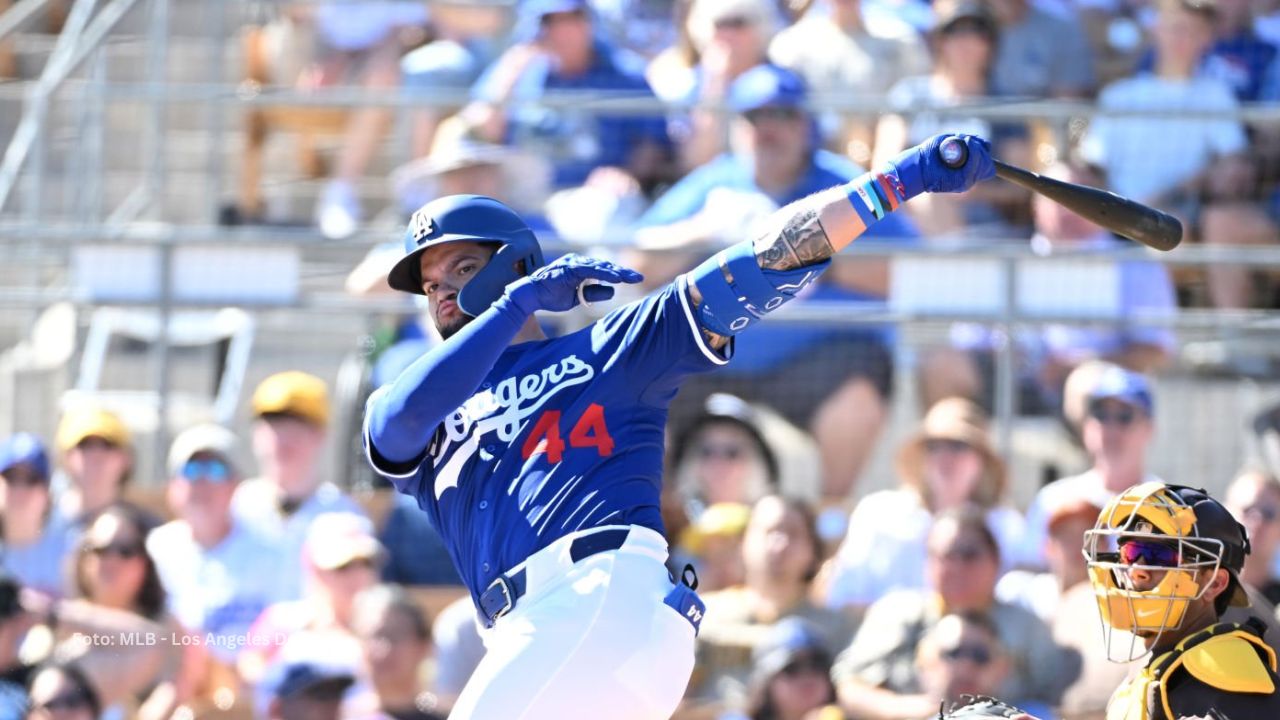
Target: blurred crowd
point(658, 131)
point(242, 586)
point(673, 125)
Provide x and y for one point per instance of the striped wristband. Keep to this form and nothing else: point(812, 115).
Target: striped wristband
point(876, 194)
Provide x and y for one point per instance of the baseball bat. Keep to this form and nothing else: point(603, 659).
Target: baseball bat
point(1123, 216)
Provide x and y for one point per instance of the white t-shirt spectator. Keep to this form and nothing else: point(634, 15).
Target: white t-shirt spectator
point(1147, 155)
point(884, 549)
point(256, 507)
point(220, 590)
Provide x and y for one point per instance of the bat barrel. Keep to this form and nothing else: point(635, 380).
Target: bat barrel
point(1123, 216)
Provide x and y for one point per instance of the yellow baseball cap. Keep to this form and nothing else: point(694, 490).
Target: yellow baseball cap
point(87, 421)
point(724, 519)
point(293, 393)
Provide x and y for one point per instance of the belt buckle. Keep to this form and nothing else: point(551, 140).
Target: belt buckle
point(508, 602)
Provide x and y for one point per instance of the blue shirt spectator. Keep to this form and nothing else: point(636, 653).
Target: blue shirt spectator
point(565, 56)
point(34, 542)
point(1241, 60)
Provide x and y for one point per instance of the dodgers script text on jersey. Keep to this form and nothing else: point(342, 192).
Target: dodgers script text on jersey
point(564, 434)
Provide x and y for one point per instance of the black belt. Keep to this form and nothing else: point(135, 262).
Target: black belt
point(502, 594)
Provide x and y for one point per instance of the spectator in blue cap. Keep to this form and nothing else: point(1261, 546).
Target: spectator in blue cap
point(562, 53)
point(791, 675)
point(35, 545)
point(1117, 427)
point(775, 159)
point(307, 690)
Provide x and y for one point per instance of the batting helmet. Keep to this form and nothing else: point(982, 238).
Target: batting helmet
point(471, 218)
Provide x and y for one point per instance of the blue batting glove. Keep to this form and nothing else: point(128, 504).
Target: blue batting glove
point(921, 168)
point(554, 287)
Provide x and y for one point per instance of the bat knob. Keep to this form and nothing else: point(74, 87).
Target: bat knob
point(954, 152)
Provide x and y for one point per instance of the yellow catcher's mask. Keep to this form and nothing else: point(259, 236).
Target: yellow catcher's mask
point(1147, 553)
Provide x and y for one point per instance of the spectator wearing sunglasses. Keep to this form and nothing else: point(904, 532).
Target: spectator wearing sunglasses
point(791, 675)
point(721, 456)
point(876, 675)
point(1254, 500)
point(114, 574)
point(1116, 430)
point(97, 456)
point(220, 575)
point(963, 655)
point(949, 463)
point(112, 567)
point(62, 691)
point(964, 42)
point(35, 544)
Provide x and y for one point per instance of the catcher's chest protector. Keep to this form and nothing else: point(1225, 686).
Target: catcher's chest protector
point(1223, 657)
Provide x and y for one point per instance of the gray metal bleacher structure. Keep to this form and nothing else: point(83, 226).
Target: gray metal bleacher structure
point(122, 135)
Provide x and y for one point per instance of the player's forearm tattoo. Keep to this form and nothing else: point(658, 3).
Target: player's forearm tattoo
point(801, 241)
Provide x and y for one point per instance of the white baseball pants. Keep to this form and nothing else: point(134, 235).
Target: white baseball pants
point(591, 641)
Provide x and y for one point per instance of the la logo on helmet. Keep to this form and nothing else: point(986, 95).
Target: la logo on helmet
point(421, 227)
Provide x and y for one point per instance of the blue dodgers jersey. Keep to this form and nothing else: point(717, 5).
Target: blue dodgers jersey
point(563, 435)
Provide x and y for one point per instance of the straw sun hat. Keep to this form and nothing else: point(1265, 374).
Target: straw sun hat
point(960, 420)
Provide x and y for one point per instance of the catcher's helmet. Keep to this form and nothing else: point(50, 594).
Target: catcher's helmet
point(1169, 532)
point(472, 218)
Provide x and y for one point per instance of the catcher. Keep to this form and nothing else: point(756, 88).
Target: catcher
point(1164, 561)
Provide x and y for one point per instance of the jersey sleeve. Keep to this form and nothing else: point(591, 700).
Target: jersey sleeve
point(659, 342)
point(408, 477)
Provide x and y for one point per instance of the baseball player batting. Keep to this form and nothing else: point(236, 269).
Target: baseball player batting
point(540, 460)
